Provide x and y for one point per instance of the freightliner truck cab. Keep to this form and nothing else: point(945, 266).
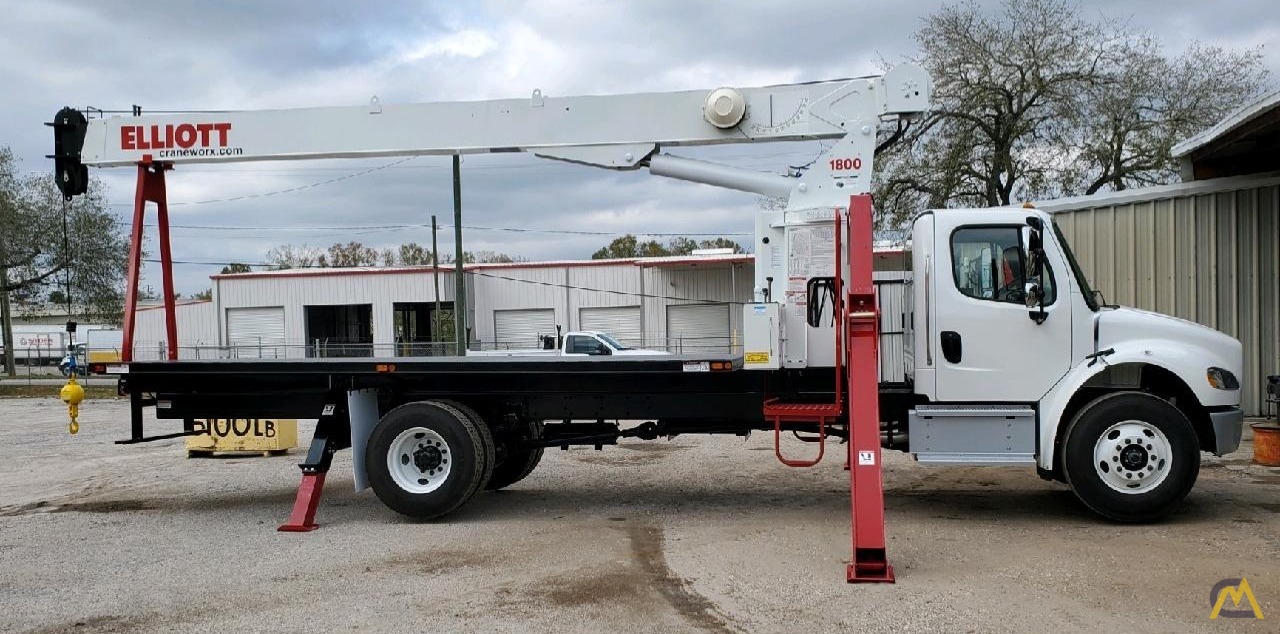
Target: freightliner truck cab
point(1013, 359)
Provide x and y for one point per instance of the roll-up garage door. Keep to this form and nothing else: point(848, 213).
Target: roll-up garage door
point(256, 332)
point(622, 322)
point(698, 328)
point(520, 328)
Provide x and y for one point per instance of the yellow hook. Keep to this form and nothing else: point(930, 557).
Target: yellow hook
point(72, 394)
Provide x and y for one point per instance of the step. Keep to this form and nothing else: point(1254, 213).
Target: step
point(805, 411)
point(970, 409)
point(973, 433)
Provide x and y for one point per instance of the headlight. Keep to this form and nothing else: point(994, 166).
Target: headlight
point(1222, 379)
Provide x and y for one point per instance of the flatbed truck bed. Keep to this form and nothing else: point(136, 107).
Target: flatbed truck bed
point(685, 393)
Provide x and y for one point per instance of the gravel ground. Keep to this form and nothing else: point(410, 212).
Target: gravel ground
point(694, 534)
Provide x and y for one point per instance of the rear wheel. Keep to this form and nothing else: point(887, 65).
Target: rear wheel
point(517, 458)
point(426, 459)
point(1131, 456)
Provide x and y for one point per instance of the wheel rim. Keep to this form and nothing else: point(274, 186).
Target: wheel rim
point(419, 460)
point(1132, 457)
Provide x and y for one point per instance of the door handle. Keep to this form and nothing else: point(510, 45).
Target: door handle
point(951, 347)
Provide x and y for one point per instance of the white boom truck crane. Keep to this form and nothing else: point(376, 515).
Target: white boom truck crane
point(1011, 359)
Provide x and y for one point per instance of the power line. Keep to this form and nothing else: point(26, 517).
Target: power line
point(283, 191)
point(608, 291)
point(401, 227)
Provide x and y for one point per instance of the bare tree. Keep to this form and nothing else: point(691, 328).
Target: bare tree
point(414, 254)
point(288, 256)
point(1039, 100)
point(350, 254)
point(1147, 103)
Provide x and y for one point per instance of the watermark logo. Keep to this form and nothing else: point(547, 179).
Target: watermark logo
point(1237, 590)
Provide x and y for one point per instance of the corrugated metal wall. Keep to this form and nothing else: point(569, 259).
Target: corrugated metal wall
point(702, 284)
point(295, 291)
point(197, 331)
point(565, 289)
point(501, 288)
point(891, 297)
point(1206, 252)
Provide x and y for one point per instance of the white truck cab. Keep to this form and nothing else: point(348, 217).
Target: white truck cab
point(595, 343)
point(1015, 361)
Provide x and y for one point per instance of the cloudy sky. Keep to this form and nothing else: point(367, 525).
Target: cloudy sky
point(269, 54)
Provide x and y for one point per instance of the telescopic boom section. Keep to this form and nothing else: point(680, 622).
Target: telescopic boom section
point(634, 124)
point(610, 131)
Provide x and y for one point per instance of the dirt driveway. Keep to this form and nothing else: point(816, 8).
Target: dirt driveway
point(695, 534)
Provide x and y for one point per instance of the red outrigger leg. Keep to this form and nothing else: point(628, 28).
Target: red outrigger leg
point(333, 433)
point(150, 189)
point(870, 564)
point(303, 517)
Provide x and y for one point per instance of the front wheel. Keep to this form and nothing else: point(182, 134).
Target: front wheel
point(1130, 456)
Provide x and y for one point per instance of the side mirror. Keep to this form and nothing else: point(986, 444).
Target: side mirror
point(602, 349)
point(1034, 294)
point(1034, 291)
point(1035, 248)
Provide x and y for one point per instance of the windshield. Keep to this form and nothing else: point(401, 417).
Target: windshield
point(611, 341)
point(1075, 269)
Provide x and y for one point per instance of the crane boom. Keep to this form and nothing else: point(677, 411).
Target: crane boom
point(611, 131)
point(540, 124)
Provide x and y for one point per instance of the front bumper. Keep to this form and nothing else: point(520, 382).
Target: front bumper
point(1228, 425)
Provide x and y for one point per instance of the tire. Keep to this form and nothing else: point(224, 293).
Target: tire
point(518, 462)
point(485, 433)
point(1130, 456)
point(426, 459)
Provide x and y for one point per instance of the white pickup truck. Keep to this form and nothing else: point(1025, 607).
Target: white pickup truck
point(580, 343)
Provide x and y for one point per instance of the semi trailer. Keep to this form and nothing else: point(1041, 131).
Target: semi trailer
point(1011, 357)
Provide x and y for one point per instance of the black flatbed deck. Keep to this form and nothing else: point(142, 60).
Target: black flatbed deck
point(432, 365)
point(674, 387)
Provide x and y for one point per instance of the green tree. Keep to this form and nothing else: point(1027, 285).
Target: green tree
point(629, 246)
point(236, 267)
point(46, 243)
point(681, 246)
point(721, 243)
point(206, 294)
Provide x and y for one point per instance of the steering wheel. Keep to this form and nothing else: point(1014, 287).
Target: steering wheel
point(1013, 292)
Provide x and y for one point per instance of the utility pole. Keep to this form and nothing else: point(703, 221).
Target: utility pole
point(6, 322)
point(459, 284)
point(435, 272)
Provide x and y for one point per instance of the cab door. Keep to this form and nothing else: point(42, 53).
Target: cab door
point(987, 346)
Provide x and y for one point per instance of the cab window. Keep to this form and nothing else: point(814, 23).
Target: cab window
point(990, 263)
point(579, 344)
